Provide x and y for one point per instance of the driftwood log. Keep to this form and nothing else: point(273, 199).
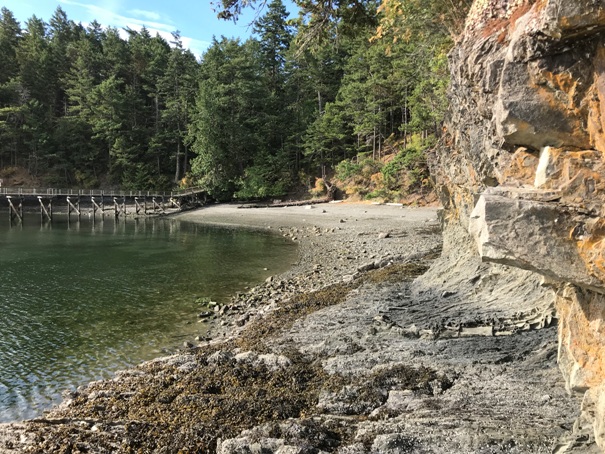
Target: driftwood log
point(330, 190)
point(294, 203)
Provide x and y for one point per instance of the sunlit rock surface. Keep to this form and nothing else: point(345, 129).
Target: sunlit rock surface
point(522, 166)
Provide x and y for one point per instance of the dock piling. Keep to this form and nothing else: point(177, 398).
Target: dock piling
point(71, 207)
point(96, 206)
point(147, 202)
point(15, 212)
point(46, 211)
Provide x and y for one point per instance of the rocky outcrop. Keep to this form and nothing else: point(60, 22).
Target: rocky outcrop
point(522, 166)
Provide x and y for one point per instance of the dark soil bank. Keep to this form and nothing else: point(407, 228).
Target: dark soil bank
point(357, 349)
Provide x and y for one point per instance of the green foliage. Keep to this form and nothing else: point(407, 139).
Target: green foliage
point(261, 181)
point(347, 169)
point(224, 132)
point(325, 93)
point(412, 160)
point(83, 107)
point(391, 178)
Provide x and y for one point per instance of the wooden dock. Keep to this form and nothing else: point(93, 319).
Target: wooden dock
point(114, 203)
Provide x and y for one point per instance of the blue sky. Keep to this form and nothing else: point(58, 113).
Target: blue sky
point(194, 19)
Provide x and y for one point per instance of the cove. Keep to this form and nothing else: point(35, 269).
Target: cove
point(80, 300)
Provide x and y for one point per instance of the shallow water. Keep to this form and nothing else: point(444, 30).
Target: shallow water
point(79, 301)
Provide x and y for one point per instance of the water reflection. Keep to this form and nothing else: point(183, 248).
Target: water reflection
point(82, 299)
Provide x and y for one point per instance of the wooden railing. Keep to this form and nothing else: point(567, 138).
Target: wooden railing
point(53, 192)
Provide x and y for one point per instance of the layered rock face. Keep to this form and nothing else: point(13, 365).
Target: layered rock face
point(523, 167)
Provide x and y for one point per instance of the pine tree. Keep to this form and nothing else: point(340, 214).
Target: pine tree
point(10, 35)
point(271, 172)
point(10, 109)
point(178, 86)
point(224, 131)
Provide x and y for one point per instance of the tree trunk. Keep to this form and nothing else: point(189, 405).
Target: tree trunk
point(177, 173)
point(186, 161)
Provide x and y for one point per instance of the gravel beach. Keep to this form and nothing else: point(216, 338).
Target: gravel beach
point(356, 349)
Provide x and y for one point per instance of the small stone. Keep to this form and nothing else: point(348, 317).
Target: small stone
point(383, 235)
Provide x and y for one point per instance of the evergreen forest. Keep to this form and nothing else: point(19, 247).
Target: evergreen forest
point(353, 93)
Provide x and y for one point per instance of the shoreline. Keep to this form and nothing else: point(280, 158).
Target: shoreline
point(346, 352)
point(316, 229)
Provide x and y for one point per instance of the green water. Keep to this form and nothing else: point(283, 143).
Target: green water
point(83, 300)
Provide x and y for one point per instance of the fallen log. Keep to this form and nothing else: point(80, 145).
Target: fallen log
point(295, 203)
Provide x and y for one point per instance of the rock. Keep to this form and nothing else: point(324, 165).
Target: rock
point(522, 165)
point(220, 357)
point(497, 219)
point(366, 267)
point(477, 331)
point(393, 444)
point(287, 449)
point(241, 321)
point(244, 445)
point(383, 235)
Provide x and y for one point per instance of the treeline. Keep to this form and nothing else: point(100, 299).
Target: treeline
point(84, 107)
point(81, 106)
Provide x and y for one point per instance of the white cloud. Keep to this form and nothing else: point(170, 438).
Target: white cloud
point(109, 15)
point(197, 46)
point(151, 15)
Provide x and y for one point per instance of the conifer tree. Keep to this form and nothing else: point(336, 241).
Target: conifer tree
point(224, 131)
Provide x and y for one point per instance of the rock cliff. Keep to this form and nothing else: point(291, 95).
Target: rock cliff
point(521, 172)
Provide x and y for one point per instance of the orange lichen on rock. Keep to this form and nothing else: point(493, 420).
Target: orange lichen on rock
point(591, 247)
point(518, 169)
point(596, 103)
point(491, 16)
point(562, 87)
point(570, 23)
point(578, 175)
point(582, 337)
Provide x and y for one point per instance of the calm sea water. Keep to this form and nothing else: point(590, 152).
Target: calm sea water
point(80, 301)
